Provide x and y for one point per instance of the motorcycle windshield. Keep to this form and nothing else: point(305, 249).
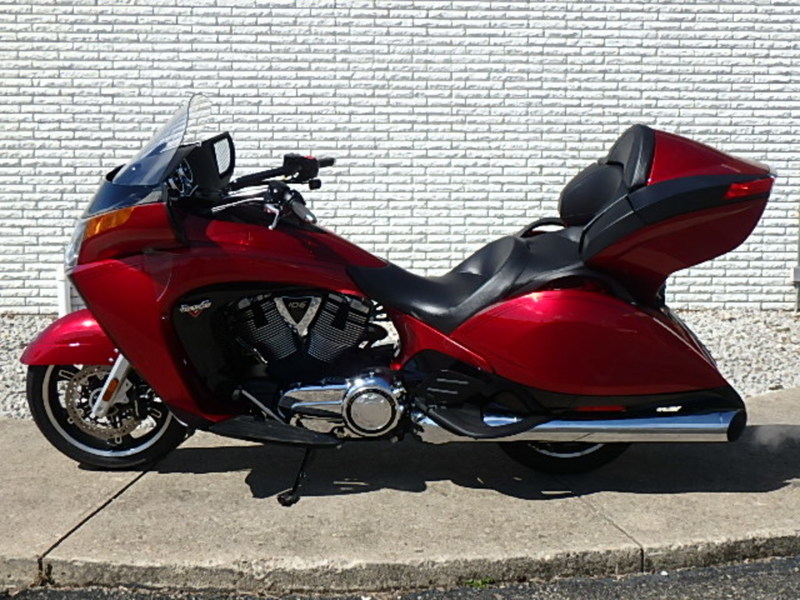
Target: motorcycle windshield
point(151, 165)
point(139, 179)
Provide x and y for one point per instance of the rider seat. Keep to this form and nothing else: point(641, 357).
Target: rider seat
point(444, 302)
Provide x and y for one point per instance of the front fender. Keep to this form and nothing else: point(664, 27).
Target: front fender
point(74, 339)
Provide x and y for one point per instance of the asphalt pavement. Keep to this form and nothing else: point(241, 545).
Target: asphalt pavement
point(381, 516)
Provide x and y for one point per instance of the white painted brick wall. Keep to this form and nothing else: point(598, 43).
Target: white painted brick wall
point(454, 121)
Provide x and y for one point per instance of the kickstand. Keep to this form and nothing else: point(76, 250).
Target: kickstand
point(292, 495)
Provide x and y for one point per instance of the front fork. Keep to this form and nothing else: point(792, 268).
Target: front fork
point(114, 389)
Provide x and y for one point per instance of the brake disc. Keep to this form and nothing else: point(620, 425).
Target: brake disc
point(82, 391)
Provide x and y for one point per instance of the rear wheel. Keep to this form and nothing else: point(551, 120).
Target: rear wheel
point(138, 430)
point(562, 457)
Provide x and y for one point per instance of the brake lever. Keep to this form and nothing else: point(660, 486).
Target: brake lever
point(260, 197)
point(275, 211)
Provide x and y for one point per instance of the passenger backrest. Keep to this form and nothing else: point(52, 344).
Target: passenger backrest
point(625, 169)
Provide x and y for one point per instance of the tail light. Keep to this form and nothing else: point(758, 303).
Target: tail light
point(749, 189)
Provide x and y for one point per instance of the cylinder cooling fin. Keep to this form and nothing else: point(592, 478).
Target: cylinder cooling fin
point(277, 326)
point(339, 326)
point(257, 322)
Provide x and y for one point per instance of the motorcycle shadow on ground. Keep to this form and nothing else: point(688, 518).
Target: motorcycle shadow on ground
point(766, 458)
point(361, 467)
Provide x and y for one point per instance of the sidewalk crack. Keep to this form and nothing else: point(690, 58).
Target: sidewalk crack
point(45, 570)
point(607, 518)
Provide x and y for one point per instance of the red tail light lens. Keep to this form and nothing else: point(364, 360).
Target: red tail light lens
point(759, 187)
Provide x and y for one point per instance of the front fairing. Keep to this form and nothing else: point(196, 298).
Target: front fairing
point(137, 298)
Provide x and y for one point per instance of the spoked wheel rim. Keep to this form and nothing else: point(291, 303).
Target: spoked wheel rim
point(131, 427)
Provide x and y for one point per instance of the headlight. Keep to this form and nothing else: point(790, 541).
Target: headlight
point(74, 246)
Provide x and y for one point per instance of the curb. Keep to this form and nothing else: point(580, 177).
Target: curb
point(382, 577)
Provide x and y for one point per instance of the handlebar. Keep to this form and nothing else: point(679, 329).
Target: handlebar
point(300, 169)
point(255, 178)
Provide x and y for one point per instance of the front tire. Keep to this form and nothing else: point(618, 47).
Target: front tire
point(136, 432)
point(562, 457)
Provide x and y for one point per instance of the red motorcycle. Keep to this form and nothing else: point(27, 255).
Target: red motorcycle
point(221, 305)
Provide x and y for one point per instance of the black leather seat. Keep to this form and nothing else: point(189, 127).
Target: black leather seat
point(514, 264)
point(445, 302)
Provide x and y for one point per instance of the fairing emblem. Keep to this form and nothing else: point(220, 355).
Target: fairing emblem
point(195, 310)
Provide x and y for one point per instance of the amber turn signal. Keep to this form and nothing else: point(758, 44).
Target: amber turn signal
point(110, 220)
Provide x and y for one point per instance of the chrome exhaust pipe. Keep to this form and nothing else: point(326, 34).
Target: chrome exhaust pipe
point(719, 426)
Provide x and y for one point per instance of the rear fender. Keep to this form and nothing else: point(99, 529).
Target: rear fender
point(75, 339)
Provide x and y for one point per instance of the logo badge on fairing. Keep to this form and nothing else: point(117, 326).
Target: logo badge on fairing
point(298, 311)
point(194, 310)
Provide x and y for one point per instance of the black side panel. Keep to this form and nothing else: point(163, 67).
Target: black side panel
point(613, 224)
point(722, 398)
point(255, 430)
point(438, 380)
point(201, 325)
point(676, 197)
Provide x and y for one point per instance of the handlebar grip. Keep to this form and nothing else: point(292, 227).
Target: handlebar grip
point(327, 161)
point(256, 178)
point(301, 210)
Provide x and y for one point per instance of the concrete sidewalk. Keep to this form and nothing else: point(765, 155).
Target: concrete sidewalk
point(382, 516)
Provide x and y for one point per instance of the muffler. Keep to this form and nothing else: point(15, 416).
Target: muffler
point(719, 426)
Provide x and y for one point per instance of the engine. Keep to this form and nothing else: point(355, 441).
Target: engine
point(305, 337)
point(305, 356)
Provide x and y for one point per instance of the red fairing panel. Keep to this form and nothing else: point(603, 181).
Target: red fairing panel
point(416, 336)
point(75, 339)
point(133, 298)
point(676, 156)
point(296, 250)
point(584, 343)
point(141, 228)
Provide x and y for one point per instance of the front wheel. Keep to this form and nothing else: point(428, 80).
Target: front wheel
point(138, 430)
point(562, 457)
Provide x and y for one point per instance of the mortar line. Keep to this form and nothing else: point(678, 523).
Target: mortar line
point(89, 517)
point(596, 509)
